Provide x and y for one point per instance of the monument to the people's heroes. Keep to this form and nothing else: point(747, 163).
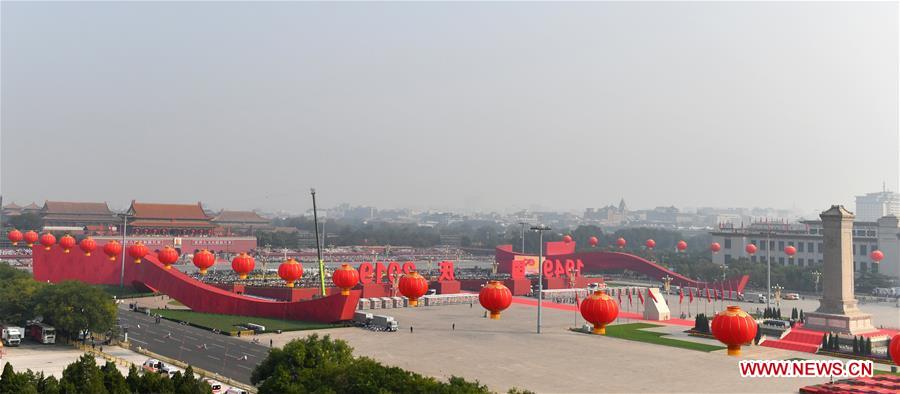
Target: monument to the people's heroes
point(837, 310)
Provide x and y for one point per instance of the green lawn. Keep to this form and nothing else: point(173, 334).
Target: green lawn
point(175, 303)
point(226, 323)
point(635, 332)
point(124, 292)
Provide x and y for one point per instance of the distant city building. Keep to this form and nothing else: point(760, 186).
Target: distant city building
point(169, 219)
point(75, 216)
point(609, 215)
point(13, 209)
point(806, 237)
point(872, 206)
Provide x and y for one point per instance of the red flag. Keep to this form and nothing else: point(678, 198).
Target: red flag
point(730, 292)
point(629, 297)
point(680, 295)
point(691, 295)
point(723, 291)
point(650, 293)
point(620, 296)
point(641, 296)
point(708, 300)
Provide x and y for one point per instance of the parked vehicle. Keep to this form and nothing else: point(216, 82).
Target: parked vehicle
point(791, 296)
point(362, 318)
point(235, 390)
point(41, 333)
point(156, 366)
point(387, 323)
point(761, 298)
point(217, 386)
point(12, 335)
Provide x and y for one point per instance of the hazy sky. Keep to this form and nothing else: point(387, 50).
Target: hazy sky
point(450, 106)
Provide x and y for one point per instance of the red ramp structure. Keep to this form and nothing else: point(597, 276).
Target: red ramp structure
point(596, 261)
point(55, 266)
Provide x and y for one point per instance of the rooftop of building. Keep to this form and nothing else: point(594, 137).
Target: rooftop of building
point(142, 210)
point(239, 217)
point(76, 208)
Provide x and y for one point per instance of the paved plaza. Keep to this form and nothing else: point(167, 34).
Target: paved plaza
point(53, 359)
point(508, 353)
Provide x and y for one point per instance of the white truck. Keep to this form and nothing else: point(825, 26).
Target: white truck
point(387, 323)
point(12, 336)
point(41, 333)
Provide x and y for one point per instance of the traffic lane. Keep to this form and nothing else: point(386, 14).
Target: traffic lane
point(213, 352)
point(216, 356)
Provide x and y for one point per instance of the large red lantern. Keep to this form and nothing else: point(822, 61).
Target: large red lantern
point(751, 249)
point(203, 260)
point(15, 236)
point(593, 241)
point(734, 328)
point(876, 256)
point(715, 247)
point(567, 238)
point(495, 297)
point(894, 349)
point(621, 242)
point(30, 238)
point(650, 244)
point(346, 278)
point(681, 246)
point(167, 256)
point(413, 286)
point(290, 271)
point(790, 251)
point(87, 246)
point(599, 309)
point(112, 249)
point(138, 251)
point(47, 240)
point(243, 264)
point(66, 242)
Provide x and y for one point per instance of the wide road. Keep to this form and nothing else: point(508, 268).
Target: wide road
point(227, 356)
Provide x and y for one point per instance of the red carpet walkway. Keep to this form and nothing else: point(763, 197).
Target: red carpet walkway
point(804, 340)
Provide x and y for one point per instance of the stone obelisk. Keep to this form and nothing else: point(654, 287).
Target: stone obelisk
point(837, 310)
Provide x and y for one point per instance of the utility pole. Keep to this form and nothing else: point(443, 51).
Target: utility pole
point(540, 230)
point(124, 217)
point(318, 245)
point(523, 236)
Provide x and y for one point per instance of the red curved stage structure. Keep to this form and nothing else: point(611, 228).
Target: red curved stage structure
point(55, 266)
point(594, 262)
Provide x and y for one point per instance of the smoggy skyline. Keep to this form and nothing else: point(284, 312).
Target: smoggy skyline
point(468, 106)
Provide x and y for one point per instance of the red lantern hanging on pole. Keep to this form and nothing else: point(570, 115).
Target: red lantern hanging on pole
point(876, 256)
point(112, 249)
point(30, 238)
point(715, 247)
point(87, 246)
point(681, 246)
point(751, 249)
point(894, 349)
point(495, 297)
point(650, 244)
point(290, 271)
point(567, 238)
point(621, 243)
point(66, 242)
point(167, 256)
point(47, 240)
point(599, 309)
point(203, 260)
point(138, 251)
point(734, 328)
point(790, 251)
point(413, 286)
point(346, 278)
point(594, 241)
point(243, 265)
point(15, 236)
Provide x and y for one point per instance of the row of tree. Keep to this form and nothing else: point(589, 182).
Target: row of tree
point(71, 307)
point(772, 312)
point(861, 346)
point(84, 376)
point(314, 363)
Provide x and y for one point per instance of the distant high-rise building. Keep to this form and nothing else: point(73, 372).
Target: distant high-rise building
point(872, 206)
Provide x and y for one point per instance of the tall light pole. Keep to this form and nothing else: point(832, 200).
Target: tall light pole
point(318, 245)
point(540, 230)
point(768, 267)
point(125, 216)
point(817, 274)
point(523, 236)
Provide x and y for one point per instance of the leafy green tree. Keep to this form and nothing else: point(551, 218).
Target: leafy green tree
point(82, 376)
point(187, 383)
point(73, 306)
point(113, 379)
point(48, 385)
point(12, 382)
point(18, 295)
point(26, 221)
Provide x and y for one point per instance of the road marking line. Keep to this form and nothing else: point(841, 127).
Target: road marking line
point(244, 367)
point(191, 338)
point(214, 357)
point(215, 344)
point(132, 338)
point(158, 340)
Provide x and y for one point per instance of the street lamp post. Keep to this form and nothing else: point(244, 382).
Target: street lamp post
point(125, 216)
point(318, 245)
point(768, 268)
point(817, 274)
point(540, 230)
point(523, 236)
